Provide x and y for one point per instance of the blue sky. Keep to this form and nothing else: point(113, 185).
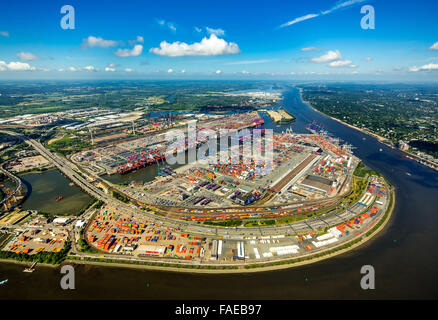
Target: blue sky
point(320, 39)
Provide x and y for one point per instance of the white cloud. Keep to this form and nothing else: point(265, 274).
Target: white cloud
point(89, 68)
point(27, 56)
point(309, 49)
point(92, 41)
point(426, 67)
point(218, 71)
point(61, 70)
point(299, 19)
point(434, 46)
point(170, 71)
point(136, 51)
point(342, 4)
point(212, 46)
point(137, 40)
point(368, 59)
point(339, 5)
point(245, 72)
point(4, 34)
point(183, 71)
point(198, 29)
point(329, 56)
point(72, 69)
point(167, 24)
point(109, 69)
point(218, 32)
point(15, 66)
point(129, 70)
point(342, 63)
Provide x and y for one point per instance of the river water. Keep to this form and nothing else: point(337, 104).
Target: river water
point(404, 255)
point(44, 188)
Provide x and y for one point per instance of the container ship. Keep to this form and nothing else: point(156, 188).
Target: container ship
point(137, 161)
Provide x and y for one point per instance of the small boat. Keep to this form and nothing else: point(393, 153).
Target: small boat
point(59, 198)
point(3, 282)
point(408, 174)
point(31, 268)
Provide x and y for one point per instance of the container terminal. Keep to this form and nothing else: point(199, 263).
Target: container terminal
point(305, 201)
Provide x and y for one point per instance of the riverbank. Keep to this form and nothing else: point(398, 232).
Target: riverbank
point(379, 138)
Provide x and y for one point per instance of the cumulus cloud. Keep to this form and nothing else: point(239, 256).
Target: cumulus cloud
point(212, 46)
point(109, 69)
point(26, 56)
point(309, 49)
point(4, 34)
point(342, 63)
point(134, 52)
point(426, 67)
point(218, 32)
point(92, 41)
point(72, 69)
point(170, 71)
point(434, 46)
point(183, 71)
point(129, 70)
point(15, 66)
point(139, 39)
point(218, 71)
point(343, 4)
point(329, 56)
point(89, 68)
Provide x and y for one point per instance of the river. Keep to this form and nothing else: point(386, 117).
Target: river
point(404, 255)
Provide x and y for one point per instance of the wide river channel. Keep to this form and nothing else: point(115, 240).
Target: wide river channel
point(404, 255)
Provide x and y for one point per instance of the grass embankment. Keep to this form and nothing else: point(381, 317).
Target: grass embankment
point(83, 244)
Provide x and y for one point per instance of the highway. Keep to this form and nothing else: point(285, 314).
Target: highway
point(17, 184)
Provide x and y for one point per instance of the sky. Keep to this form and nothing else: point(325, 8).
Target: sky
point(293, 40)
